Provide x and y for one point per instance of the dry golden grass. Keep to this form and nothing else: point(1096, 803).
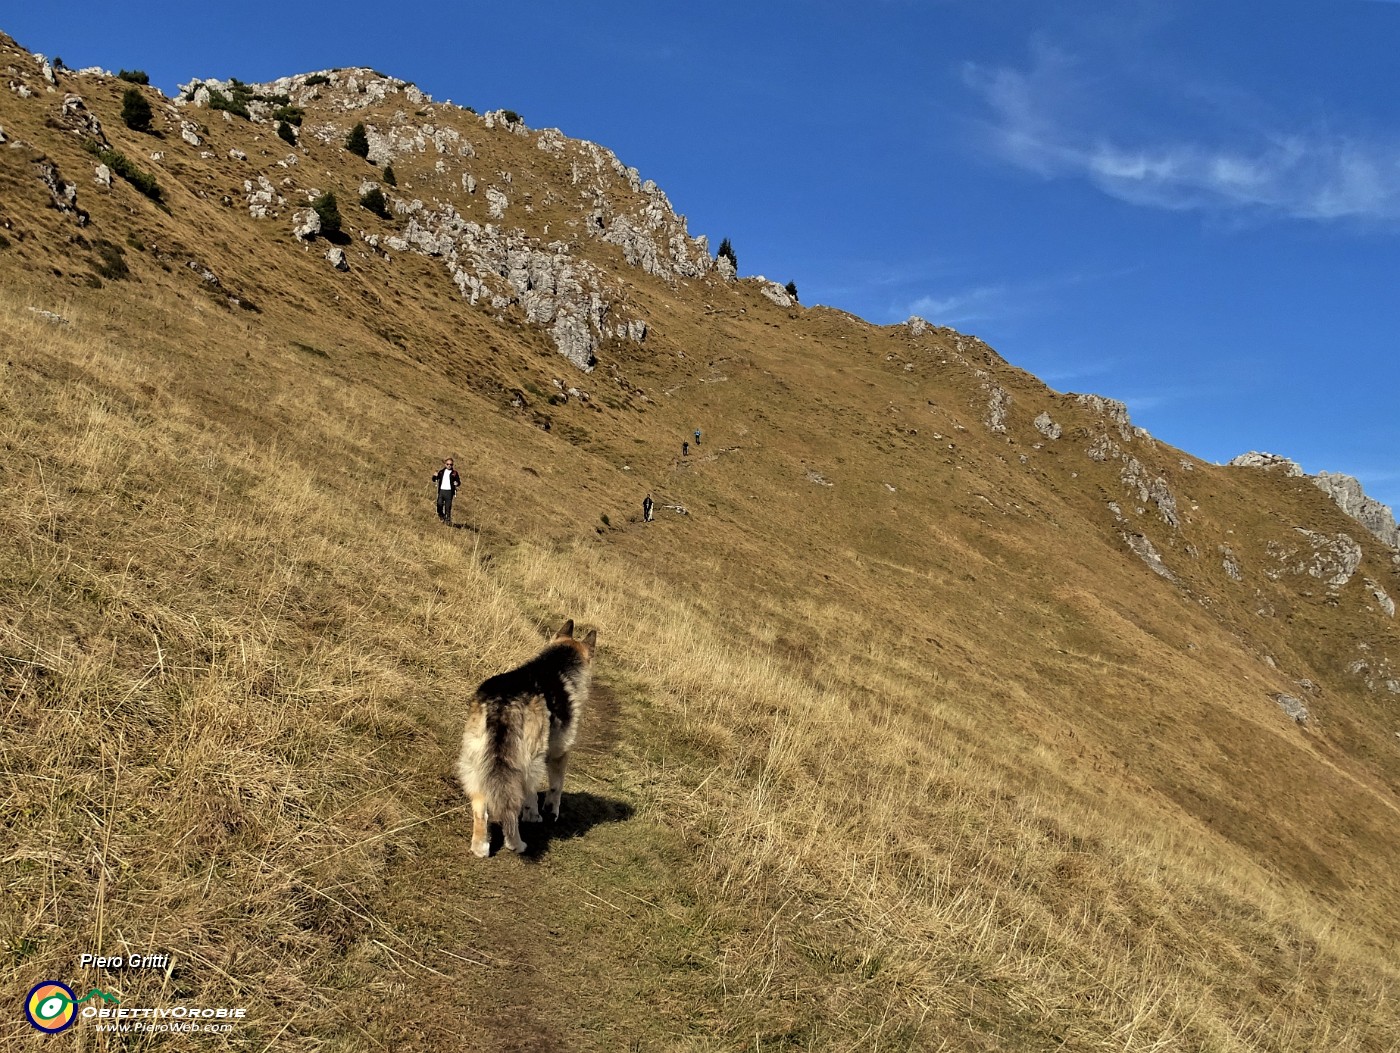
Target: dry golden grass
point(920, 760)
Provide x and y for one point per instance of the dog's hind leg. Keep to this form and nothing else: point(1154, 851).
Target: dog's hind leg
point(510, 827)
point(555, 798)
point(481, 834)
point(534, 779)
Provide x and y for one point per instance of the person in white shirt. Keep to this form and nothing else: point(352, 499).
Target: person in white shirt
point(447, 480)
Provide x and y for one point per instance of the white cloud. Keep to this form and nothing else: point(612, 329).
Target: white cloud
point(1057, 121)
point(960, 308)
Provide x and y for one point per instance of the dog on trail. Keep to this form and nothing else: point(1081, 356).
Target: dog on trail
point(520, 727)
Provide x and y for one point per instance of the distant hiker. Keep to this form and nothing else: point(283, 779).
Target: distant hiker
point(685, 449)
point(447, 480)
point(697, 436)
point(647, 505)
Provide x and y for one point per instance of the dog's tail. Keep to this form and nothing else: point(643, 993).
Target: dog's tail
point(501, 750)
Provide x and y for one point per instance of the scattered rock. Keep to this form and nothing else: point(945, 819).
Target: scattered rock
point(1331, 558)
point(307, 224)
point(65, 195)
point(1147, 552)
point(103, 176)
point(1231, 564)
point(1047, 427)
point(1294, 707)
point(337, 257)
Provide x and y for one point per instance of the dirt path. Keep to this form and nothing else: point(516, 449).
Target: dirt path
point(534, 953)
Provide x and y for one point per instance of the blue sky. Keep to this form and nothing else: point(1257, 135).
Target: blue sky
point(1190, 206)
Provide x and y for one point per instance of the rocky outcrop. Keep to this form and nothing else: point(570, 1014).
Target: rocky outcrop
point(1147, 552)
point(65, 195)
point(553, 288)
point(1331, 558)
point(307, 224)
point(1135, 477)
point(1115, 412)
point(1292, 706)
point(263, 200)
point(1267, 461)
point(1346, 491)
point(1046, 425)
point(998, 402)
point(775, 292)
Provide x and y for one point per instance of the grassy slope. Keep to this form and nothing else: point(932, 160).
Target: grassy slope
point(942, 766)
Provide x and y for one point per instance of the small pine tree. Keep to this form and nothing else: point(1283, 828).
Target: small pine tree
point(284, 131)
point(389, 176)
point(136, 111)
point(357, 142)
point(726, 250)
point(325, 206)
point(792, 289)
point(134, 76)
point(373, 199)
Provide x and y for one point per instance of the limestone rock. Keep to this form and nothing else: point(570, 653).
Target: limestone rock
point(307, 224)
point(776, 293)
point(65, 195)
point(262, 200)
point(1269, 461)
point(104, 176)
point(1116, 412)
point(1231, 564)
point(1147, 552)
point(1047, 426)
point(1294, 707)
point(1346, 491)
point(83, 120)
point(337, 257)
point(1331, 558)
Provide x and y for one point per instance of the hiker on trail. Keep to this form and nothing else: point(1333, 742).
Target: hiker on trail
point(697, 436)
point(647, 505)
point(685, 449)
point(447, 480)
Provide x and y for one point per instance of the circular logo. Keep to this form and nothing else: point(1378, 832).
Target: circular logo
point(51, 1006)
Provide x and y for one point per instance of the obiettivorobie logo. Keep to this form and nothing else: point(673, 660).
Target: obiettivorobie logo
point(52, 1006)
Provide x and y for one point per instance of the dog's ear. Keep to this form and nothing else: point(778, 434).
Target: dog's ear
point(566, 632)
point(591, 641)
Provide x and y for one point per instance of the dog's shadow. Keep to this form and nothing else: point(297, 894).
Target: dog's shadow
point(580, 813)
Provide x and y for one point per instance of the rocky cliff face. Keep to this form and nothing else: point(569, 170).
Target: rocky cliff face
point(468, 203)
point(1345, 490)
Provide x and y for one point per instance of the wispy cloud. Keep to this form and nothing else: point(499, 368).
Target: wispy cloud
point(1001, 301)
point(961, 308)
point(1056, 119)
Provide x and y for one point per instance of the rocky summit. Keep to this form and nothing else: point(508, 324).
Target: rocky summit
point(936, 709)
